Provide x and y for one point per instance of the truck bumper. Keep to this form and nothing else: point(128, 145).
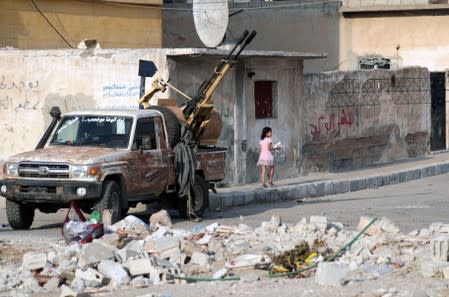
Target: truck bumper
point(58, 192)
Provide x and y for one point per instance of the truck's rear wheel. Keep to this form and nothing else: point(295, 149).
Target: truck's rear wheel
point(172, 124)
point(110, 200)
point(20, 216)
point(200, 199)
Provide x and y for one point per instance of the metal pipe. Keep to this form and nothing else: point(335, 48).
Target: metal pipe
point(55, 113)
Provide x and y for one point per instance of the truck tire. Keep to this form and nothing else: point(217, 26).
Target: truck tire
point(110, 200)
point(200, 200)
point(172, 124)
point(20, 216)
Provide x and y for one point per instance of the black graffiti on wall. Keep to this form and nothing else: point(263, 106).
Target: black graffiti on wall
point(403, 91)
point(18, 85)
point(7, 103)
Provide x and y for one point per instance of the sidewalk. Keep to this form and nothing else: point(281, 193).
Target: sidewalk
point(323, 184)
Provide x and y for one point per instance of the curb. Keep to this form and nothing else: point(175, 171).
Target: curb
point(220, 201)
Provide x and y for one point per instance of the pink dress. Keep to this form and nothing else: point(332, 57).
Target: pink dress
point(265, 157)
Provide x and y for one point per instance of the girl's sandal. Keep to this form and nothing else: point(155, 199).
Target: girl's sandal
point(271, 184)
point(264, 185)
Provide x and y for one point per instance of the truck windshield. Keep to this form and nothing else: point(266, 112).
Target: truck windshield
point(104, 131)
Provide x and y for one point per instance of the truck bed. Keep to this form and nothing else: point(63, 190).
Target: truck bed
point(212, 160)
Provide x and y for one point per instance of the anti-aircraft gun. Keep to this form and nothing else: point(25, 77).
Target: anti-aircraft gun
point(199, 112)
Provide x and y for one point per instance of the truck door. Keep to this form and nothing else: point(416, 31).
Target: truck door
point(148, 160)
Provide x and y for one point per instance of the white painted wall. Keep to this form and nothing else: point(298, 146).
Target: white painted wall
point(32, 81)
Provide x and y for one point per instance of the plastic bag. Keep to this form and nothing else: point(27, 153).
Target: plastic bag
point(77, 228)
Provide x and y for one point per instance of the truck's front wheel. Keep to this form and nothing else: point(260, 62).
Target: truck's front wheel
point(110, 200)
point(199, 201)
point(20, 216)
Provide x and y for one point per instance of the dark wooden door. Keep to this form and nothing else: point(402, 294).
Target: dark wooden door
point(438, 111)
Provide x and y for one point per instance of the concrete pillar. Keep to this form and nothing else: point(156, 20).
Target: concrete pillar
point(240, 115)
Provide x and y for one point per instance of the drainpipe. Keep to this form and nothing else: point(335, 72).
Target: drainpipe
point(55, 113)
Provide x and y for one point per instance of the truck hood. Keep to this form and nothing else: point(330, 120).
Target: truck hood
point(70, 154)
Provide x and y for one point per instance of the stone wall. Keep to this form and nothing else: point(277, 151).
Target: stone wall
point(360, 118)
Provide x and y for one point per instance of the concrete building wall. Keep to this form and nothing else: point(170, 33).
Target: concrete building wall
point(408, 40)
point(360, 118)
point(114, 26)
point(234, 99)
point(32, 82)
point(280, 25)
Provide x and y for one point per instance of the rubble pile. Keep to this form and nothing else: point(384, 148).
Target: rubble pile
point(132, 253)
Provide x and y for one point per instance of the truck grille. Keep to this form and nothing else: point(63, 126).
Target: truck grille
point(43, 170)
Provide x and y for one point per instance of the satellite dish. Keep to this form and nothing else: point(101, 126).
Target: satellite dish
point(211, 20)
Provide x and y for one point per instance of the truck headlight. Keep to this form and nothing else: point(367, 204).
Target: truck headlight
point(84, 171)
point(11, 169)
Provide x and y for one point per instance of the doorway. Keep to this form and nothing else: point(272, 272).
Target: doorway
point(438, 111)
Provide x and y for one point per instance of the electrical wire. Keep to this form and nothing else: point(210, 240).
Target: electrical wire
point(51, 25)
point(210, 2)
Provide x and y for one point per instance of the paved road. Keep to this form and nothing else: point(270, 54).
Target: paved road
point(415, 204)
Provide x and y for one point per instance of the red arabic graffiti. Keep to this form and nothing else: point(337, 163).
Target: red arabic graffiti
point(332, 125)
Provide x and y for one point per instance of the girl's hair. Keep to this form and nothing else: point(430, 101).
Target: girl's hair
point(265, 131)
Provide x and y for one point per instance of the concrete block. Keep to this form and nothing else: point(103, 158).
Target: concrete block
point(260, 195)
point(357, 185)
point(114, 271)
point(431, 268)
point(298, 191)
point(329, 273)
point(34, 260)
point(226, 200)
point(90, 276)
point(95, 252)
point(248, 198)
point(2, 202)
point(440, 248)
point(112, 239)
point(413, 174)
point(431, 170)
point(66, 291)
point(423, 172)
point(139, 266)
point(140, 282)
point(329, 188)
point(316, 189)
point(238, 199)
point(341, 186)
point(439, 229)
point(374, 182)
point(319, 221)
point(52, 284)
point(363, 222)
point(388, 226)
point(160, 218)
point(402, 175)
point(163, 248)
point(215, 201)
point(53, 258)
point(199, 259)
point(446, 272)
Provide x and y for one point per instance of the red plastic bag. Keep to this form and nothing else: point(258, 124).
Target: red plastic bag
point(77, 228)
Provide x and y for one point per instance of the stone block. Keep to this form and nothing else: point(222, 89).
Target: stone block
point(374, 182)
point(248, 197)
point(329, 188)
point(413, 174)
point(52, 284)
point(238, 199)
point(298, 191)
point(139, 266)
point(95, 252)
point(341, 186)
point(90, 276)
point(440, 248)
point(66, 291)
point(164, 247)
point(34, 260)
point(199, 259)
point(402, 176)
point(329, 273)
point(215, 202)
point(388, 226)
point(439, 229)
point(114, 271)
point(160, 218)
point(319, 221)
point(364, 221)
point(226, 200)
point(357, 185)
point(316, 189)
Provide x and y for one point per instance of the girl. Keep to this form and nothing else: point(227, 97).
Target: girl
point(266, 158)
